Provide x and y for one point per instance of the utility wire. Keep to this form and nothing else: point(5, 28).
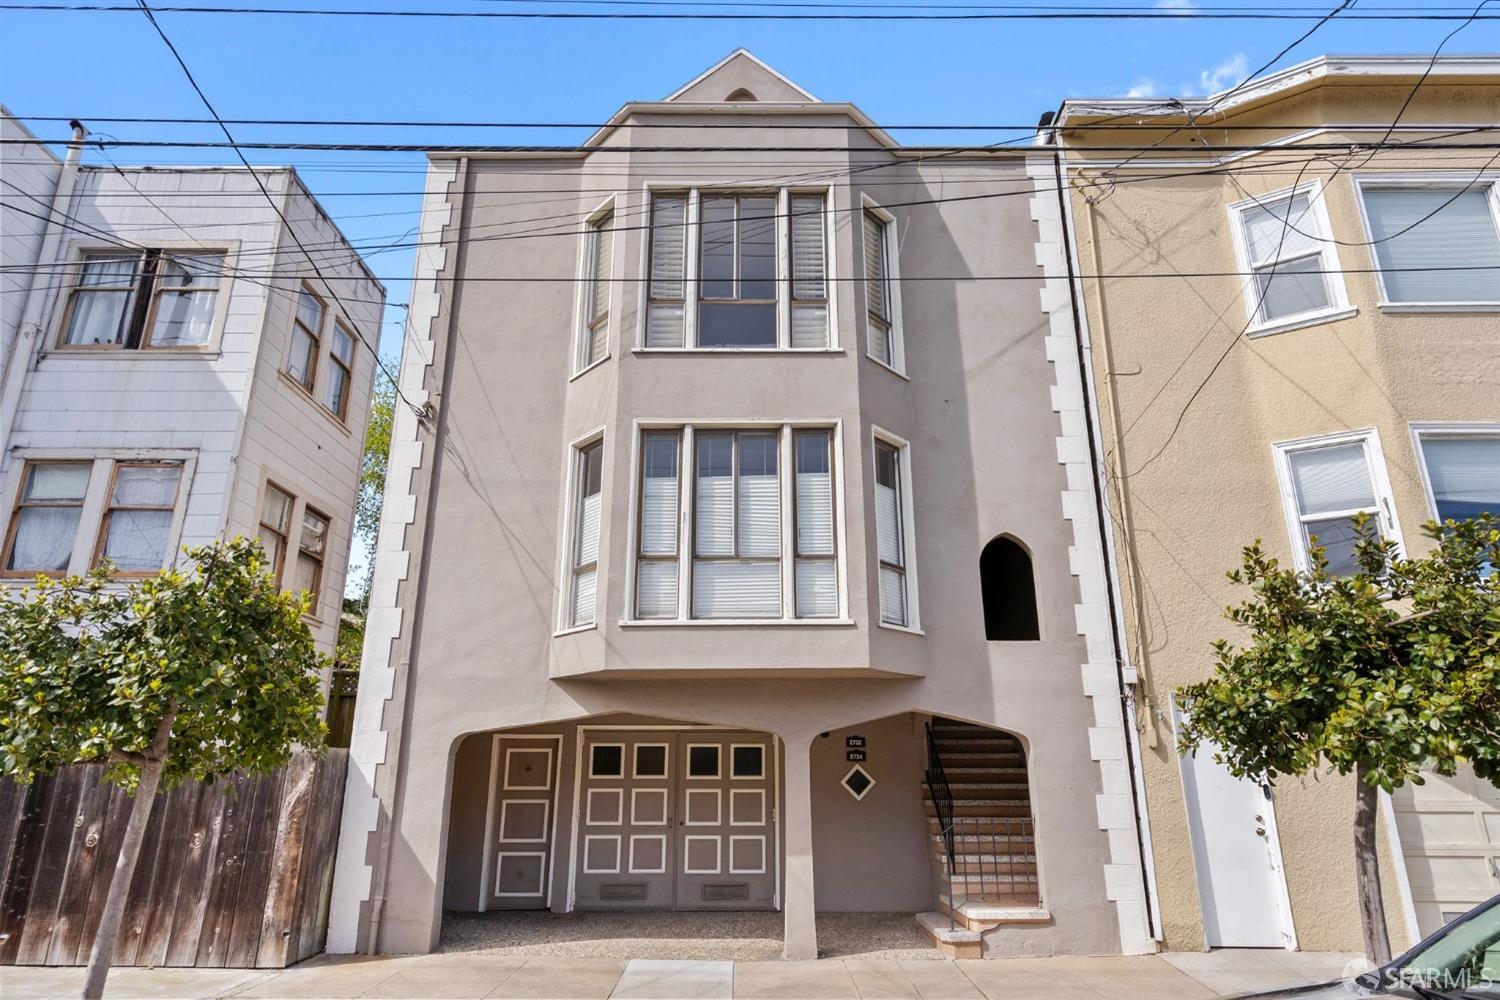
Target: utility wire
point(286, 223)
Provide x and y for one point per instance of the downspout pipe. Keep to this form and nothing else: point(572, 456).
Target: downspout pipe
point(21, 354)
point(1125, 672)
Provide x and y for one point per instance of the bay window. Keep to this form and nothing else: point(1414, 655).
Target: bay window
point(307, 338)
point(598, 256)
point(890, 533)
point(758, 542)
point(881, 342)
point(588, 487)
point(1416, 228)
point(138, 520)
point(1326, 483)
point(44, 526)
point(738, 270)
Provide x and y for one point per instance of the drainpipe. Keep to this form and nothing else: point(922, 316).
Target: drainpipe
point(19, 355)
point(1125, 673)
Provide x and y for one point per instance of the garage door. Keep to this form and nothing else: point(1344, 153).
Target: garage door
point(1450, 834)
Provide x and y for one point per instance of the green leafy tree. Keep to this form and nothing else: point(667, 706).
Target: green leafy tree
point(372, 469)
point(1377, 674)
point(184, 676)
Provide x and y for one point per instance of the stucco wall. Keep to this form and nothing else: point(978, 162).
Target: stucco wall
point(1192, 473)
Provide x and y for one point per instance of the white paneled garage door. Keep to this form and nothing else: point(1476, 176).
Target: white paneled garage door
point(1450, 834)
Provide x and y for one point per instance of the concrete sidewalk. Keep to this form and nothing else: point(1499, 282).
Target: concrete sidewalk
point(477, 975)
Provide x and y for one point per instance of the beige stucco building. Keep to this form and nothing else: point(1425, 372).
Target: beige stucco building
point(745, 552)
point(1363, 377)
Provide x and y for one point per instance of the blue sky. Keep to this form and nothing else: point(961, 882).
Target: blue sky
point(102, 63)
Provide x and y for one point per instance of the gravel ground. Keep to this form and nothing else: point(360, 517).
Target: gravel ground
point(718, 936)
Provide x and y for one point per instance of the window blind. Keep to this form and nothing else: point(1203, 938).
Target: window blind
point(1424, 228)
point(809, 272)
point(713, 496)
point(815, 569)
point(758, 497)
point(656, 576)
point(1332, 479)
point(1465, 475)
point(1280, 230)
point(664, 319)
point(601, 253)
point(888, 535)
point(586, 533)
point(877, 304)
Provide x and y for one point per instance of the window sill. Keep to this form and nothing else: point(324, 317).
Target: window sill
point(306, 394)
point(580, 373)
point(1439, 307)
point(890, 368)
point(110, 350)
point(902, 628)
point(733, 622)
point(575, 630)
point(1300, 322)
point(738, 350)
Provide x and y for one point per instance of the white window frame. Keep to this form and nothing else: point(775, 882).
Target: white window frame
point(568, 530)
point(1316, 221)
point(96, 499)
point(1443, 180)
point(1385, 512)
point(897, 332)
point(1423, 431)
point(584, 298)
point(913, 624)
point(694, 192)
point(687, 483)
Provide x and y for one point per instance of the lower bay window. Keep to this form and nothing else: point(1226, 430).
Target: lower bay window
point(1461, 469)
point(589, 473)
point(756, 543)
point(890, 532)
point(295, 537)
point(71, 515)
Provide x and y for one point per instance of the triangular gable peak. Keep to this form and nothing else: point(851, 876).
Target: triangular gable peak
point(740, 78)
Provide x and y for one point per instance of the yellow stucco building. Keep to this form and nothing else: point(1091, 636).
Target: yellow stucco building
point(1291, 301)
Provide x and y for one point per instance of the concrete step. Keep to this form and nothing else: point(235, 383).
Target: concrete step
point(957, 775)
point(982, 913)
point(1016, 808)
point(982, 758)
point(974, 885)
point(950, 937)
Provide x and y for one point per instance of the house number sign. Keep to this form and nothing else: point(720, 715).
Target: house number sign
point(854, 742)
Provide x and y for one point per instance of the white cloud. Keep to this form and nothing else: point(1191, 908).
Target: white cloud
point(1228, 73)
point(1144, 87)
point(1182, 5)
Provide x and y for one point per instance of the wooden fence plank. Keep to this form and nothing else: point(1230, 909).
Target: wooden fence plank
point(221, 881)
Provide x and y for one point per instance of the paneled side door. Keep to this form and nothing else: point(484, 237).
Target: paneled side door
point(525, 796)
point(725, 829)
point(625, 820)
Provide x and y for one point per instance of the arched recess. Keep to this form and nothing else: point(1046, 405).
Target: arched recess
point(741, 95)
point(1008, 585)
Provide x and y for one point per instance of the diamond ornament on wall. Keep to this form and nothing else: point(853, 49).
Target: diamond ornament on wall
point(858, 782)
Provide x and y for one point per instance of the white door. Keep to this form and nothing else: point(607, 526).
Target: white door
point(1450, 835)
point(1240, 880)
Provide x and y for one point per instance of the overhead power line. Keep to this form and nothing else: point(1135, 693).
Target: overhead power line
point(1154, 14)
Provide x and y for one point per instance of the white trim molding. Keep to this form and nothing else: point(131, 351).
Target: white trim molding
point(1118, 807)
point(369, 744)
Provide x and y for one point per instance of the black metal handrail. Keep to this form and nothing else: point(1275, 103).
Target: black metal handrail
point(941, 794)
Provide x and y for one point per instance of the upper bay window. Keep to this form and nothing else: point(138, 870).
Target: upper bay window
point(736, 270)
point(1420, 229)
point(1290, 261)
point(1461, 468)
point(598, 259)
point(150, 298)
point(883, 339)
point(746, 516)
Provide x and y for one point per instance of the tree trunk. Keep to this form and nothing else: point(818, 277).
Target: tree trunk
point(103, 951)
point(1367, 871)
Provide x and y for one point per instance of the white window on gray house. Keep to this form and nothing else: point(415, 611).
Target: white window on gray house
point(1326, 485)
point(816, 566)
point(588, 490)
point(600, 253)
point(666, 311)
point(750, 272)
point(44, 525)
point(1291, 262)
point(880, 330)
point(737, 525)
point(1463, 472)
point(307, 336)
point(656, 559)
point(890, 533)
point(340, 372)
point(275, 527)
point(145, 299)
point(136, 532)
point(737, 271)
point(1420, 232)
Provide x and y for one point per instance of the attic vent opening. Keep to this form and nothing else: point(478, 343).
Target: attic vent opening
point(741, 95)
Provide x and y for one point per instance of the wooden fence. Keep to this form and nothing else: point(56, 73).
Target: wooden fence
point(224, 880)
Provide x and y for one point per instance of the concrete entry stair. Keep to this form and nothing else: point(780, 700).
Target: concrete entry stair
point(976, 783)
